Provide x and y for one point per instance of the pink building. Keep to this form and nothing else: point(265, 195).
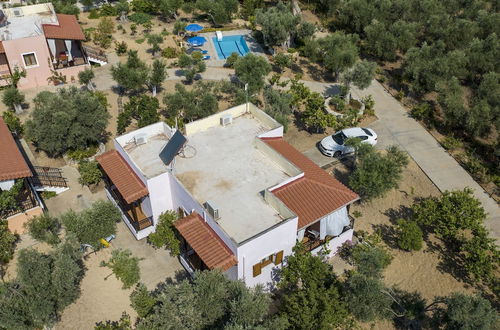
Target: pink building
point(36, 39)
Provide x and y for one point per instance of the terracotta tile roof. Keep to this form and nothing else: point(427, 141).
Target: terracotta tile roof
point(205, 242)
point(68, 28)
point(314, 195)
point(12, 163)
point(2, 50)
point(123, 177)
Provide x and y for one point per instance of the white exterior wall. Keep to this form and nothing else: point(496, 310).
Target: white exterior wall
point(7, 184)
point(281, 237)
point(146, 206)
point(160, 195)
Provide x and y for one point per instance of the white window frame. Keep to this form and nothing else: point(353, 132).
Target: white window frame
point(30, 66)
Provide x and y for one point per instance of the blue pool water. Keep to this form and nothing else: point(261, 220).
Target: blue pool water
point(230, 44)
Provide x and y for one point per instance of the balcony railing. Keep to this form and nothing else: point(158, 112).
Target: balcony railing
point(26, 200)
point(142, 223)
point(310, 242)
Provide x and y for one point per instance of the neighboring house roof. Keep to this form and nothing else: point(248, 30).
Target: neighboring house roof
point(12, 163)
point(68, 28)
point(314, 195)
point(123, 177)
point(2, 50)
point(205, 242)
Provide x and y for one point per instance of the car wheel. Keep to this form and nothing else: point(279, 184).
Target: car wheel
point(337, 154)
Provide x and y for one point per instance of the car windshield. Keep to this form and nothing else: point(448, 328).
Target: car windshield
point(367, 131)
point(339, 138)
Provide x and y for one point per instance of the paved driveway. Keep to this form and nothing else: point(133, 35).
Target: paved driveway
point(396, 127)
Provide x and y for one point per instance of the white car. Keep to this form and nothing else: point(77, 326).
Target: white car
point(333, 146)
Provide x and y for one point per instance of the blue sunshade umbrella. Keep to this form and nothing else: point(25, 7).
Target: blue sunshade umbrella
point(194, 28)
point(196, 41)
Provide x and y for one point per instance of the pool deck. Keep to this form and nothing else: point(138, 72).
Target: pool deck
point(214, 61)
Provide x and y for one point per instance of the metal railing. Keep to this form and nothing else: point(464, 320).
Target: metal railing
point(25, 200)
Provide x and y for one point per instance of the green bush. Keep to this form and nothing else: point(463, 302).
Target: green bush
point(90, 173)
point(12, 97)
point(410, 235)
point(80, 154)
point(450, 143)
point(7, 242)
point(423, 111)
point(94, 14)
point(121, 48)
point(108, 10)
point(142, 302)
point(140, 41)
point(140, 18)
point(13, 122)
point(48, 194)
point(165, 234)
point(44, 228)
point(169, 52)
point(125, 267)
point(231, 60)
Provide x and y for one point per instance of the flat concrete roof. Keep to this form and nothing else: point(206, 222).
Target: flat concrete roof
point(27, 21)
point(224, 166)
point(146, 155)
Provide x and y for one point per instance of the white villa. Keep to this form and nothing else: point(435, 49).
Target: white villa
point(244, 195)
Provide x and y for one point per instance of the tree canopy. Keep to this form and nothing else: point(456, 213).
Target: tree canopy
point(210, 301)
point(45, 284)
point(377, 173)
point(131, 75)
point(67, 120)
point(143, 108)
point(191, 105)
point(278, 24)
point(219, 11)
point(251, 69)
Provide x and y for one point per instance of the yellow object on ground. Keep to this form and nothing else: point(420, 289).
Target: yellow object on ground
point(104, 242)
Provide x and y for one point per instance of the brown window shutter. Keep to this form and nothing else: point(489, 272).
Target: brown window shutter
point(256, 269)
point(279, 258)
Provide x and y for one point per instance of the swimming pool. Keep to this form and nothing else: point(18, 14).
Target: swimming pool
point(230, 44)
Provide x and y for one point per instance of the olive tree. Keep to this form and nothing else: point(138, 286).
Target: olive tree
point(251, 69)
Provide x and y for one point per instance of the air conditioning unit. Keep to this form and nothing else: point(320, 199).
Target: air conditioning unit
point(212, 209)
point(226, 119)
point(140, 139)
point(17, 12)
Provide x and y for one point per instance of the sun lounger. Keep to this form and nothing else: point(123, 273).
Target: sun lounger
point(206, 57)
point(219, 35)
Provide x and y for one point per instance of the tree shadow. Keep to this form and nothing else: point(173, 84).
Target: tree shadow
point(388, 233)
point(179, 276)
point(402, 212)
point(410, 310)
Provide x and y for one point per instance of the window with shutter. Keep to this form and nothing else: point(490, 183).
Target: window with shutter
point(278, 258)
point(257, 269)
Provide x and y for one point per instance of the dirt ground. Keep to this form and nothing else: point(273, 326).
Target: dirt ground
point(420, 271)
point(102, 297)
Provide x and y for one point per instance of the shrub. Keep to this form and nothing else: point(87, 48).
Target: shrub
point(140, 18)
point(140, 41)
point(370, 256)
point(48, 194)
point(169, 52)
point(282, 61)
point(369, 105)
point(12, 97)
point(7, 242)
point(165, 234)
point(94, 14)
point(231, 60)
point(410, 235)
point(108, 10)
point(80, 154)
point(399, 95)
point(13, 122)
point(125, 267)
point(423, 111)
point(88, 33)
point(89, 172)
point(44, 228)
point(142, 302)
point(450, 143)
point(121, 48)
